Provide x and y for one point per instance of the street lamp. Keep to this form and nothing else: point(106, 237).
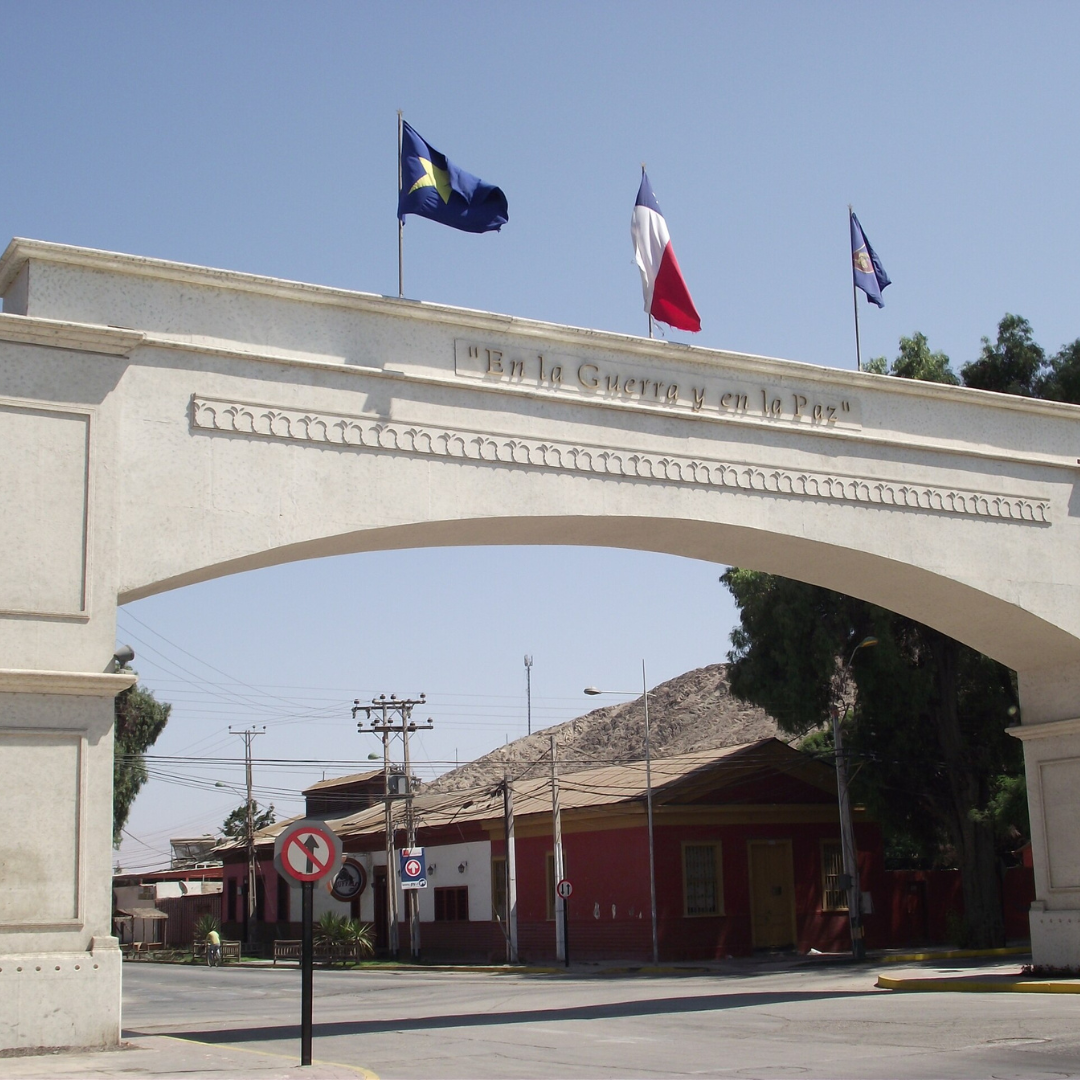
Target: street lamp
point(592, 690)
point(847, 829)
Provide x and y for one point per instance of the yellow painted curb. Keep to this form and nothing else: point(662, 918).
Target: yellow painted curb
point(367, 1074)
point(972, 986)
point(952, 954)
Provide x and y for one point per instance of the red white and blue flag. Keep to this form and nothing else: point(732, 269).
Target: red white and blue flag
point(667, 299)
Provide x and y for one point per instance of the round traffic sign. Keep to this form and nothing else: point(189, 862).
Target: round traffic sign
point(564, 889)
point(350, 881)
point(412, 868)
point(307, 851)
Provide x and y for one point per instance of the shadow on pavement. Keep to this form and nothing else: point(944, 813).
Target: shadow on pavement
point(614, 1010)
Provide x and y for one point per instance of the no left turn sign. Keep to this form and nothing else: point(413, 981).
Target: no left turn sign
point(307, 850)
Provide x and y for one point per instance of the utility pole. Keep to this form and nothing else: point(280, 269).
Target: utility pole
point(528, 691)
point(842, 680)
point(847, 842)
point(559, 870)
point(393, 715)
point(249, 830)
point(511, 871)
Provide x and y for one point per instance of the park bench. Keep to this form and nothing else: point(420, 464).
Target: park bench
point(230, 950)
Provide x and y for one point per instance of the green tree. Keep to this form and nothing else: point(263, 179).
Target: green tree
point(234, 826)
point(1013, 364)
point(916, 360)
point(139, 719)
point(1061, 380)
point(928, 730)
point(937, 768)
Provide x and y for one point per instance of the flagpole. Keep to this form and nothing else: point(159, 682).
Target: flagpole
point(650, 313)
point(855, 303)
point(400, 224)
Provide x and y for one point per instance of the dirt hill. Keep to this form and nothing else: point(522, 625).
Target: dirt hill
point(694, 711)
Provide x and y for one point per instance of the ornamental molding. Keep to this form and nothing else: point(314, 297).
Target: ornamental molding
point(372, 433)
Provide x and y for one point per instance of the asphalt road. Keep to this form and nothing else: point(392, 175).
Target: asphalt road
point(809, 1022)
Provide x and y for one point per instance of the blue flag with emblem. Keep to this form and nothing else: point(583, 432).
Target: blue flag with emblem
point(869, 274)
point(435, 188)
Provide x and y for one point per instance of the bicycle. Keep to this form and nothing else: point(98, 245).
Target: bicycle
point(213, 955)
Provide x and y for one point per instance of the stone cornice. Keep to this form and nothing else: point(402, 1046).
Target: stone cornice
point(372, 433)
point(56, 334)
point(19, 250)
point(73, 683)
point(1048, 730)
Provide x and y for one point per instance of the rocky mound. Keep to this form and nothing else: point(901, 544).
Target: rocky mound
point(694, 711)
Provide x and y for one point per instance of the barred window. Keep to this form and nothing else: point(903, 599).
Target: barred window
point(452, 905)
point(703, 888)
point(833, 898)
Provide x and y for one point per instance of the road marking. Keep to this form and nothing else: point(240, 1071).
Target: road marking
point(366, 1073)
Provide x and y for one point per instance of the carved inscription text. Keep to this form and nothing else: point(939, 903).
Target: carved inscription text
point(636, 384)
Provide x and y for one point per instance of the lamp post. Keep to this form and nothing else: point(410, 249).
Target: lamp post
point(592, 690)
point(847, 829)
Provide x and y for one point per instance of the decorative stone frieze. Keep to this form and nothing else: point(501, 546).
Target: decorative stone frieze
point(371, 433)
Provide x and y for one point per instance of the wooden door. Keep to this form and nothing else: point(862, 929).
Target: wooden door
point(772, 894)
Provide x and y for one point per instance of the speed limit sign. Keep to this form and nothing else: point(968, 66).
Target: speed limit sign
point(564, 889)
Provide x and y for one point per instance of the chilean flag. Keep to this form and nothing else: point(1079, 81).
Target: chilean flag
point(667, 298)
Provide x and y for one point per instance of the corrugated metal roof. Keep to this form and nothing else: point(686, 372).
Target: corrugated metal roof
point(610, 784)
point(342, 781)
point(674, 779)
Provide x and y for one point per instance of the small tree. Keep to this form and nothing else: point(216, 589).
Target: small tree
point(340, 932)
point(234, 826)
point(204, 924)
point(139, 718)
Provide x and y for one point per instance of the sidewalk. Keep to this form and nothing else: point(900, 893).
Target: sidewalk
point(165, 1056)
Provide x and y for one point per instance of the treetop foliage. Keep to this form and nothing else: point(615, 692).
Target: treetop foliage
point(139, 719)
point(1013, 363)
point(234, 826)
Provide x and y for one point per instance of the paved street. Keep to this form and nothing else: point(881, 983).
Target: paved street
point(825, 1021)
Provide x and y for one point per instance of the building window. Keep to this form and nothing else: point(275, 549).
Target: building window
point(703, 886)
point(833, 898)
point(230, 901)
point(452, 905)
point(498, 889)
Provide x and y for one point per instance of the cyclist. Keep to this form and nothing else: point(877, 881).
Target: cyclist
point(213, 948)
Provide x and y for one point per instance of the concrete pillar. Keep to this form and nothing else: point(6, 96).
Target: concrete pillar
point(1051, 738)
point(59, 963)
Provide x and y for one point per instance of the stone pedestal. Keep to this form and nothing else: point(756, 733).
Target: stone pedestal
point(1052, 761)
point(59, 964)
point(61, 998)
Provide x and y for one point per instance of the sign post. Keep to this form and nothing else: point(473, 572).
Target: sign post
point(564, 889)
point(307, 851)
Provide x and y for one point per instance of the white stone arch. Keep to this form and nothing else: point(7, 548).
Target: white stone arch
point(164, 424)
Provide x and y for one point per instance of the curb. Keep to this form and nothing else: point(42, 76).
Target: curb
point(952, 954)
point(978, 986)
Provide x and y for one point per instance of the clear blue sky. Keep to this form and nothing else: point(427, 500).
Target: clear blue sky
point(261, 137)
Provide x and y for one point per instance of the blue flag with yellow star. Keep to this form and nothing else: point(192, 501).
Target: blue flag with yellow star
point(435, 188)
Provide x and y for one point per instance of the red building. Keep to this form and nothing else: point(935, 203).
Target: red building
point(747, 854)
